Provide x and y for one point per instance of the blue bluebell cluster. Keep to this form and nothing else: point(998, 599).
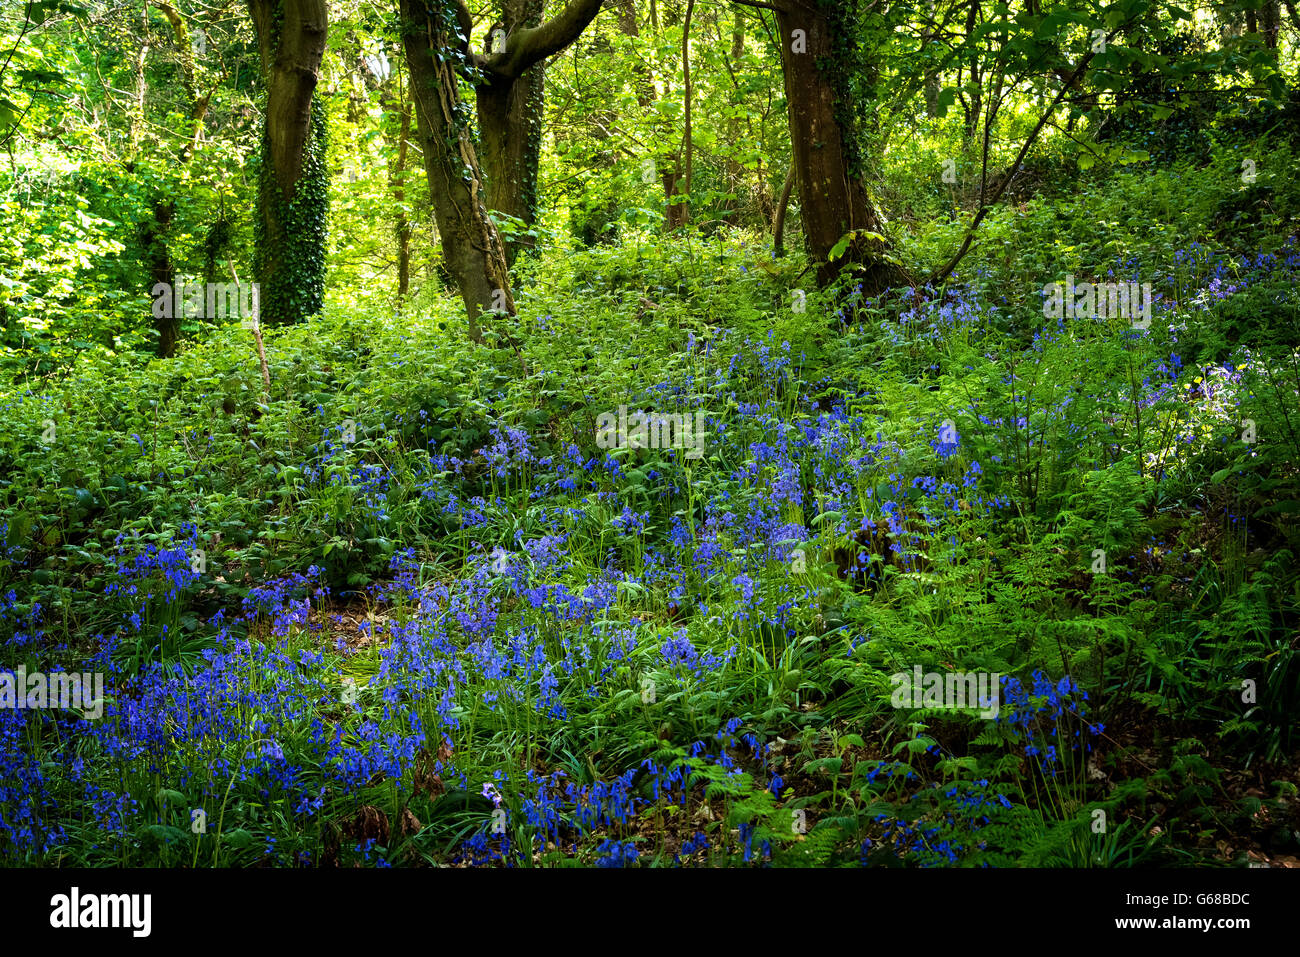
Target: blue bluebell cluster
point(616, 854)
point(1044, 716)
point(264, 682)
point(152, 577)
point(678, 650)
point(943, 824)
point(519, 629)
point(558, 812)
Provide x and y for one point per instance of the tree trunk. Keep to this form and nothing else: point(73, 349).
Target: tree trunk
point(403, 225)
point(141, 85)
point(667, 164)
point(975, 107)
point(471, 245)
point(832, 197)
point(154, 231)
point(293, 184)
point(933, 85)
point(782, 206)
point(688, 147)
point(627, 24)
point(153, 237)
point(399, 106)
point(735, 170)
point(511, 99)
point(510, 128)
point(1271, 22)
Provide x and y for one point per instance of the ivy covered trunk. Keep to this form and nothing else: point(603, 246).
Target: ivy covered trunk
point(510, 127)
point(402, 228)
point(818, 54)
point(437, 51)
point(293, 181)
point(153, 238)
point(511, 99)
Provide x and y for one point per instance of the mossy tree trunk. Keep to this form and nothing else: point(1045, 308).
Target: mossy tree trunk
point(158, 258)
point(510, 126)
point(512, 98)
point(817, 55)
point(293, 184)
point(397, 111)
point(435, 36)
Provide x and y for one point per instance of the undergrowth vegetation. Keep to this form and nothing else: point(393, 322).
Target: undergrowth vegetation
point(403, 609)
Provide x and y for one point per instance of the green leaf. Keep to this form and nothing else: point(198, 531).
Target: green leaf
point(946, 99)
point(163, 833)
point(1289, 507)
point(829, 765)
point(40, 76)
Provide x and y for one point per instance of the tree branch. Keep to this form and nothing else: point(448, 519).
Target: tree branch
point(987, 207)
point(528, 45)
